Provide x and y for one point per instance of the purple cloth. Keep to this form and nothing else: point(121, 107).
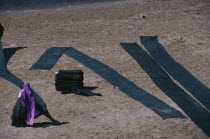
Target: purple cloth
point(28, 102)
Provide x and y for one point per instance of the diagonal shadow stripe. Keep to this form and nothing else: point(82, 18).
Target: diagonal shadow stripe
point(158, 106)
point(49, 58)
point(179, 73)
point(194, 110)
point(126, 86)
point(3, 68)
point(9, 52)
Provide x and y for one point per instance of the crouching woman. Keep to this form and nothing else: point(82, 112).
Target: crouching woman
point(28, 107)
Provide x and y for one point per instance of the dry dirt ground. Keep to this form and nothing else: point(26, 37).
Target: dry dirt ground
point(97, 30)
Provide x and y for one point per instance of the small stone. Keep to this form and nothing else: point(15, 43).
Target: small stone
point(115, 87)
point(143, 16)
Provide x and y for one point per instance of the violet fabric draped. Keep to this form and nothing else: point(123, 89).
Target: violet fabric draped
point(28, 102)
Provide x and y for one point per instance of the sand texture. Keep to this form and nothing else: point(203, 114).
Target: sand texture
point(97, 30)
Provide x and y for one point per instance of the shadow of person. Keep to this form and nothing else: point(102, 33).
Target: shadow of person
point(47, 124)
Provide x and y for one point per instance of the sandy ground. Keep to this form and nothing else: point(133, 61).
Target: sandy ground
point(97, 30)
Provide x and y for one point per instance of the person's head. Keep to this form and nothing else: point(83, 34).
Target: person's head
point(27, 87)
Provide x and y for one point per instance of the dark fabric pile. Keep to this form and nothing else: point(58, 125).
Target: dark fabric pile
point(67, 79)
point(71, 81)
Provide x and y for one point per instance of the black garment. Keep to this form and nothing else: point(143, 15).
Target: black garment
point(19, 114)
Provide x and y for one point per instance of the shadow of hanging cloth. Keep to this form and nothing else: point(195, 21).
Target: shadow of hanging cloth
point(3, 67)
point(13, 79)
point(194, 110)
point(176, 70)
point(49, 58)
point(9, 52)
point(113, 77)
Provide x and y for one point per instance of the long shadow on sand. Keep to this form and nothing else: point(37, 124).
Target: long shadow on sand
point(176, 70)
point(9, 52)
point(194, 110)
point(49, 58)
point(126, 86)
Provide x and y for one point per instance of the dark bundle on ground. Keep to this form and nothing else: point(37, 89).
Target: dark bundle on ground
point(66, 79)
point(71, 81)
